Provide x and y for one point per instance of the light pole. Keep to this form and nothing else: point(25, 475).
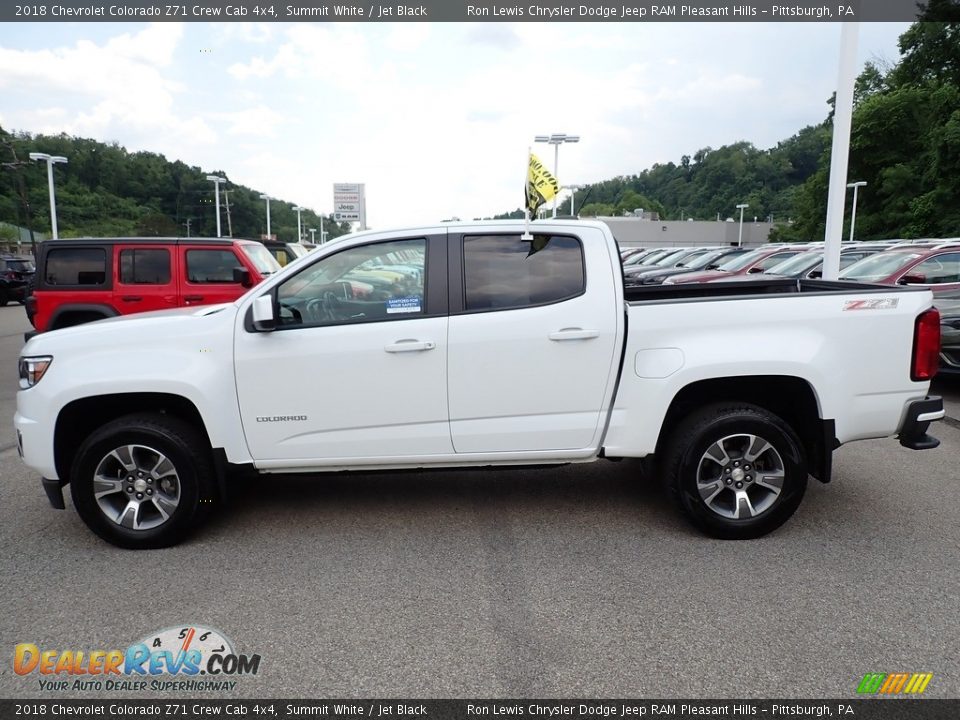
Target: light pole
point(322, 233)
point(853, 213)
point(216, 180)
point(267, 198)
point(50, 159)
point(299, 226)
point(557, 139)
point(742, 207)
point(573, 191)
point(313, 236)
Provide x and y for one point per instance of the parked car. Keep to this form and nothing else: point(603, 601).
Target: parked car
point(285, 252)
point(648, 257)
point(82, 280)
point(936, 267)
point(709, 259)
point(675, 257)
point(807, 264)
point(510, 353)
point(755, 261)
point(16, 271)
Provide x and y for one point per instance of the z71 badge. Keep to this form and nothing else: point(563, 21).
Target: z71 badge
point(881, 304)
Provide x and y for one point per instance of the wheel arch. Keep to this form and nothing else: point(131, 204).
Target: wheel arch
point(791, 398)
point(89, 312)
point(79, 418)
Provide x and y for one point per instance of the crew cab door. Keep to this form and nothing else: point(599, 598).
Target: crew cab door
point(533, 341)
point(146, 278)
point(357, 366)
point(207, 272)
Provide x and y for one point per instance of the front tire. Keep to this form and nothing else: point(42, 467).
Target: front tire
point(736, 471)
point(143, 481)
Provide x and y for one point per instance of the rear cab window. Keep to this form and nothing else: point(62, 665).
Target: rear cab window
point(503, 272)
point(72, 267)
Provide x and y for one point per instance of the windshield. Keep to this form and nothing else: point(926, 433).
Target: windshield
point(672, 258)
point(23, 266)
point(690, 258)
point(878, 267)
point(701, 261)
point(796, 265)
point(261, 258)
point(645, 257)
point(741, 261)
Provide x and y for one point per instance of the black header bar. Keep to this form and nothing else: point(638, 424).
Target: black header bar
point(267, 11)
point(890, 708)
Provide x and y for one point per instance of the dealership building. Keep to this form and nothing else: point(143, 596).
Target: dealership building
point(647, 231)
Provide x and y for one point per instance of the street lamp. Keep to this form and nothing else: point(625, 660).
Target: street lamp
point(557, 139)
point(299, 226)
point(50, 159)
point(268, 199)
point(741, 207)
point(313, 236)
point(216, 180)
point(853, 214)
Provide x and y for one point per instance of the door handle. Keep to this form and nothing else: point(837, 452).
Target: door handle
point(409, 346)
point(131, 298)
point(574, 334)
point(192, 298)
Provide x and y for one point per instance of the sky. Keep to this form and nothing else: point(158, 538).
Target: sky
point(434, 118)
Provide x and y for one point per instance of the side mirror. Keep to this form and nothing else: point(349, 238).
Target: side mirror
point(264, 319)
point(814, 274)
point(713, 266)
point(912, 279)
point(754, 270)
point(242, 275)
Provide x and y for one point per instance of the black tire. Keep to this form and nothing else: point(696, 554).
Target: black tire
point(188, 453)
point(725, 515)
point(4, 297)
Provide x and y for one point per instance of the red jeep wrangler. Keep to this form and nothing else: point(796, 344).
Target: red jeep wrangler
point(88, 279)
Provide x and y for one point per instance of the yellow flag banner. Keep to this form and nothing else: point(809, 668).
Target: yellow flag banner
point(541, 185)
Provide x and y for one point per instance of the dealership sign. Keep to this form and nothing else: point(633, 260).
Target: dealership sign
point(349, 203)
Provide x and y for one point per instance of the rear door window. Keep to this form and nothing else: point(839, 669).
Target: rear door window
point(504, 272)
point(143, 266)
point(211, 266)
point(76, 266)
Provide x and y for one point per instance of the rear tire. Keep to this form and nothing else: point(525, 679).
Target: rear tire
point(143, 481)
point(736, 471)
point(4, 297)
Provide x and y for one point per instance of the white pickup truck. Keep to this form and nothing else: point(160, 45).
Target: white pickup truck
point(468, 345)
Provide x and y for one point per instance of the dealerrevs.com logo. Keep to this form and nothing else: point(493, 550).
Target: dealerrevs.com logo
point(187, 658)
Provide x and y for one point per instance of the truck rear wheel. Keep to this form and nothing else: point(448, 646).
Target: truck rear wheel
point(143, 481)
point(736, 471)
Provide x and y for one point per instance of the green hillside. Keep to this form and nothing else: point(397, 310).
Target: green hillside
point(105, 190)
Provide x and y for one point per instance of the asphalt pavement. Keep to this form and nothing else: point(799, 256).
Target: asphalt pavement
point(578, 581)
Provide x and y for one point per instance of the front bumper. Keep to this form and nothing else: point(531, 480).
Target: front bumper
point(920, 413)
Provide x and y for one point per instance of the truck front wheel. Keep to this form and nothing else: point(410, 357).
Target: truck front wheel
point(736, 471)
point(143, 481)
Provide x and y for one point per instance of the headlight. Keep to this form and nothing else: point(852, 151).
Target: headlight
point(32, 370)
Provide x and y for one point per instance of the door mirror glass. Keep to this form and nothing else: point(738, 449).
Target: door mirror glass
point(263, 314)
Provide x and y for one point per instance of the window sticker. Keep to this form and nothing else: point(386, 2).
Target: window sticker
point(403, 305)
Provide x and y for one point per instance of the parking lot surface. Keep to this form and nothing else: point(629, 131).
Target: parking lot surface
point(578, 581)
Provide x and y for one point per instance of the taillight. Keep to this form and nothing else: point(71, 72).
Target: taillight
point(926, 346)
